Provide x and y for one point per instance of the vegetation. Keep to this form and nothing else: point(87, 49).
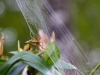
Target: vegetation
point(86, 18)
point(39, 60)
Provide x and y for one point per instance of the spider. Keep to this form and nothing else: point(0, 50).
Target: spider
point(41, 42)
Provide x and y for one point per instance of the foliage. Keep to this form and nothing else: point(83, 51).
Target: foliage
point(45, 64)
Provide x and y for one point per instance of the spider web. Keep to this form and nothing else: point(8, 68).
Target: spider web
point(35, 15)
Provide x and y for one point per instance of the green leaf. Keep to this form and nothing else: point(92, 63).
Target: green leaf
point(32, 60)
point(13, 52)
point(17, 69)
point(50, 71)
point(2, 61)
point(52, 53)
point(7, 65)
point(35, 62)
point(64, 65)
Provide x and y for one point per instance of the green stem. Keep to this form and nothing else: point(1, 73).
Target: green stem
point(95, 69)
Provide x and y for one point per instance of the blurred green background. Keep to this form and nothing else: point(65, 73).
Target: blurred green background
point(12, 25)
point(85, 18)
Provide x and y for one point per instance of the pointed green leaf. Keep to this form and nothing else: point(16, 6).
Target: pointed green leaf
point(30, 59)
point(2, 61)
point(52, 53)
point(64, 65)
point(17, 69)
point(13, 52)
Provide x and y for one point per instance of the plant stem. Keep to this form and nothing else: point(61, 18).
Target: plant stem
point(95, 69)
